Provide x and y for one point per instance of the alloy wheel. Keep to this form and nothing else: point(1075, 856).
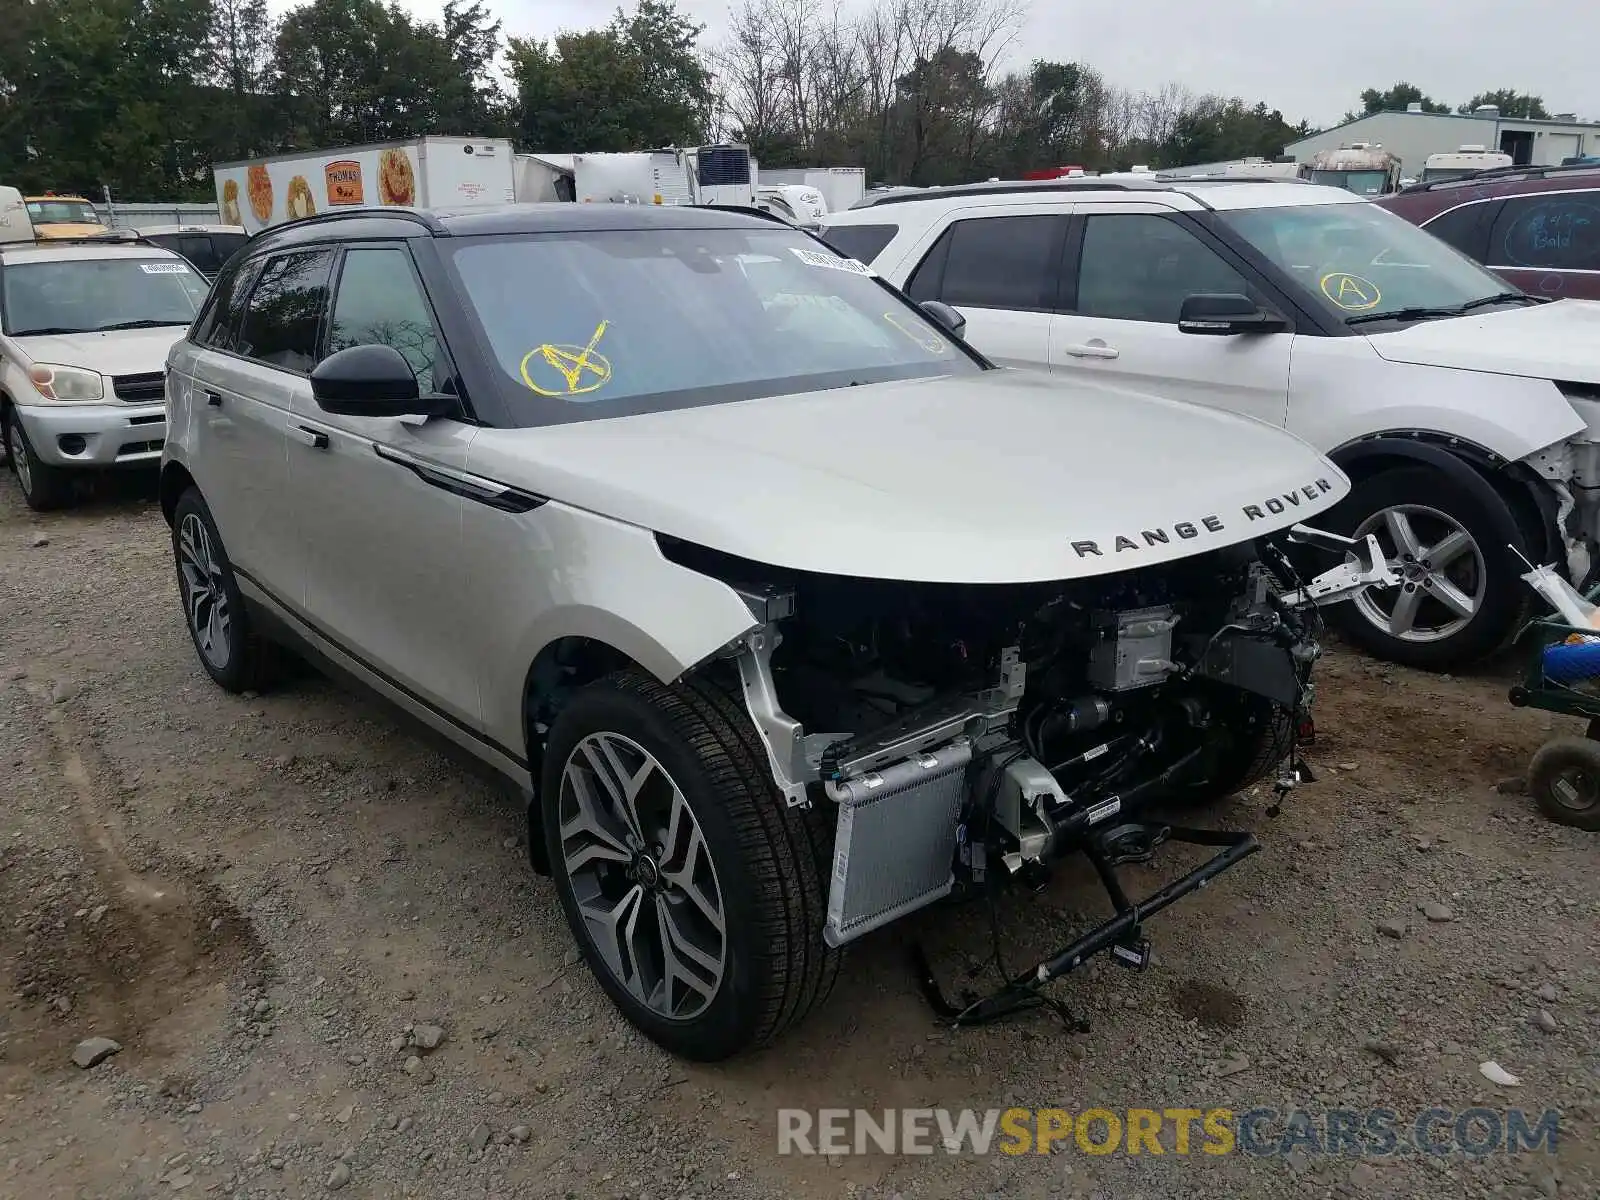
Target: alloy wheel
point(19, 456)
point(1445, 576)
point(205, 600)
point(642, 876)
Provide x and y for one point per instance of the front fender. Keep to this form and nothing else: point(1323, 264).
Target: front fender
point(563, 572)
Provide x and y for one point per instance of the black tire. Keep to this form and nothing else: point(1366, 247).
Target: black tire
point(1250, 738)
point(1564, 780)
point(237, 659)
point(1488, 520)
point(44, 487)
point(769, 859)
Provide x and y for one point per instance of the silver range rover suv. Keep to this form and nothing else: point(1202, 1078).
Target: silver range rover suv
point(785, 609)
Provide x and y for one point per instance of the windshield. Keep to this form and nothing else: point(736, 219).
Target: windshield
point(617, 322)
point(1362, 183)
point(1360, 261)
point(85, 295)
point(62, 212)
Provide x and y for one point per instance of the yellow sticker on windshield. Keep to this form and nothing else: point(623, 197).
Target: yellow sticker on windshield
point(567, 370)
point(930, 343)
point(1351, 292)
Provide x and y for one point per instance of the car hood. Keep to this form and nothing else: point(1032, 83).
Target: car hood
point(1002, 477)
point(1559, 340)
point(119, 352)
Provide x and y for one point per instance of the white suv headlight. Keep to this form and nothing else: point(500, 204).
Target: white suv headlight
point(66, 383)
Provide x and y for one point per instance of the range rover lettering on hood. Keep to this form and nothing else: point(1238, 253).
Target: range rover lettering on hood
point(1266, 510)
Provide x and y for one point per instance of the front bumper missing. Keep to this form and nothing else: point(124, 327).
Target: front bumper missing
point(1122, 935)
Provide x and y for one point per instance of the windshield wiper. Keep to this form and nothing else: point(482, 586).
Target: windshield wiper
point(1420, 313)
point(1499, 298)
point(1404, 314)
point(45, 331)
point(144, 324)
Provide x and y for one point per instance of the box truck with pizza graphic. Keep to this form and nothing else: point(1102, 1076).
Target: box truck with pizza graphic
point(425, 172)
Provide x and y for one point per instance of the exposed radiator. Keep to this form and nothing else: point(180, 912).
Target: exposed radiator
point(896, 841)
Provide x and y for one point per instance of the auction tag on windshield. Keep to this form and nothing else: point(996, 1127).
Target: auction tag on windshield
point(163, 268)
point(832, 262)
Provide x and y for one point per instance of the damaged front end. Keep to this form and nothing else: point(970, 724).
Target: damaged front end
point(968, 734)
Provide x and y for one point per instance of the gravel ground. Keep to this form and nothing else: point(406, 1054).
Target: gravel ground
point(276, 904)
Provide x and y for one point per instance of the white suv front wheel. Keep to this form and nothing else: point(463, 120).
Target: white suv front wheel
point(1461, 596)
point(694, 892)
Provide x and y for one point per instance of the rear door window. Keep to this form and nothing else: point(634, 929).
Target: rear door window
point(218, 325)
point(1548, 233)
point(860, 242)
point(994, 262)
point(284, 313)
point(1467, 228)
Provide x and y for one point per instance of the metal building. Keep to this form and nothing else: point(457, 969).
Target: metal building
point(1412, 135)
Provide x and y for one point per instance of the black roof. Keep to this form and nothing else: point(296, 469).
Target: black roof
point(554, 217)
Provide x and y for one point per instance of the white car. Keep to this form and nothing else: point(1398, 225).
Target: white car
point(85, 327)
point(790, 612)
point(205, 247)
point(1466, 413)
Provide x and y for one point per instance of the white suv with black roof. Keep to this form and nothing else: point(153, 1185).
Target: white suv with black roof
point(765, 587)
point(1466, 413)
point(85, 327)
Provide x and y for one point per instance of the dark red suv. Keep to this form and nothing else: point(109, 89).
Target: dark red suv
point(1537, 227)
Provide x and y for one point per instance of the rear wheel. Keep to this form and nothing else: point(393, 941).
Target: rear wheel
point(1462, 593)
point(44, 487)
point(693, 890)
point(234, 657)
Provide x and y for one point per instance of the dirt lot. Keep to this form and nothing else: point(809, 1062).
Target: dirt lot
point(258, 898)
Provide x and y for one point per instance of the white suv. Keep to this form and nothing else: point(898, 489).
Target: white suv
point(792, 613)
point(85, 327)
point(1466, 413)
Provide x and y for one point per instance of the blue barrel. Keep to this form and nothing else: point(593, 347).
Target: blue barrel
point(1572, 662)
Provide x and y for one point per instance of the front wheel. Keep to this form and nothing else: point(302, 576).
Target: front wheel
point(44, 487)
point(1462, 594)
point(693, 891)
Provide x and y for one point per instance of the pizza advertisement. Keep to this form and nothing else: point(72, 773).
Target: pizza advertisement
point(459, 171)
point(343, 180)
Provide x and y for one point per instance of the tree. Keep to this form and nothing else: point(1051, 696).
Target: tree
point(239, 48)
point(1397, 99)
point(635, 84)
point(1510, 103)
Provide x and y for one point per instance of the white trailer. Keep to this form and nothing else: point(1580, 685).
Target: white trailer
point(840, 186)
point(1458, 164)
point(639, 177)
point(423, 172)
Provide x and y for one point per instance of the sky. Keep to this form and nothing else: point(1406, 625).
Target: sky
point(1309, 58)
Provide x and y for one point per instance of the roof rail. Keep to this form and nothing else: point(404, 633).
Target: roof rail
point(420, 216)
point(1490, 174)
point(1002, 188)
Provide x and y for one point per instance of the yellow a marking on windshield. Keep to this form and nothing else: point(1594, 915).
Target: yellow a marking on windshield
point(932, 345)
point(572, 364)
point(1351, 292)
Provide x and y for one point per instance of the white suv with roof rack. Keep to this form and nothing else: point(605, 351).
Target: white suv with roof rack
point(1466, 413)
point(85, 326)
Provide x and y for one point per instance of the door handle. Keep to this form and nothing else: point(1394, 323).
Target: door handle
point(214, 399)
point(314, 438)
point(1090, 351)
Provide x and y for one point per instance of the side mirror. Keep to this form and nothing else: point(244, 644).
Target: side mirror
point(949, 319)
point(1224, 314)
point(371, 381)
